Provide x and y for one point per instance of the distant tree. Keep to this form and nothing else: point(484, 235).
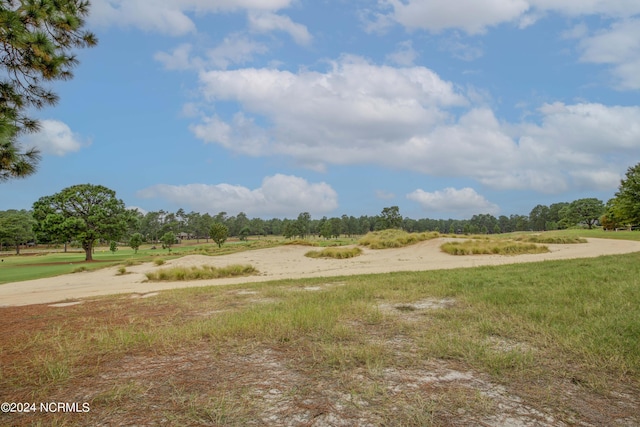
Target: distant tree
point(16, 228)
point(554, 219)
point(587, 211)
point(244, 233)
point(135, 241)
point(539, 218)
point(627, 199)
point(168, 239)
point(113, 246)
point(36, 39)
point(85, 212)
point(390, 217)
point(302, 225)
point(326, 229)
point(219, 233)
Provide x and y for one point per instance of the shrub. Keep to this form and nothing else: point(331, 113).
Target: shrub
point(475, 247)
point(337, 253)
point(200, 273)
point(551, 240)
point(393, 238)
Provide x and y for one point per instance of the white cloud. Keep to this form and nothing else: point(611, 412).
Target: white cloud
point(279, 195)
point(461, 50)
point(618, 46)
point(438, 15)
point(268, 21)
point(459, 203)
point(405, 54)
point(169, 16)
point(179, 58)
point(353, 108)
point(469, 15)
point(55, 137)
point(359, 113)
point(234, 49)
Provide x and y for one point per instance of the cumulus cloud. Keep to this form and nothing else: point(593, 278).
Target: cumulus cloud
point(354, 108)
point(409, 118)
point(279, 195)
point(269, 21)
point(438, 15)
point(170, 16)
point(234, 49)
point(618, 46)
point(459, 203)
point(56, 138)
point(405, 54)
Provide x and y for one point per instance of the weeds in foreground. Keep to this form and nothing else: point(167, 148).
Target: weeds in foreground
point(200, 273)
point(337, 253)
point(488, 247)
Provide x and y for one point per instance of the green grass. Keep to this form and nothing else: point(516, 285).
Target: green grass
point(394, 238)
point(492, 247)
point(337, 253)
point(200, 273)
point(48, 264)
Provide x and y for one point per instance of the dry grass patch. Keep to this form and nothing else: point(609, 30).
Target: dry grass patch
point(301, 242)
point(200, 273)
point(337, 253)
point(552, 240)
point(394, 238)
point(492, 247)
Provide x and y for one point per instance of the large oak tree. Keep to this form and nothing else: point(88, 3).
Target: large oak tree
point(83, 212)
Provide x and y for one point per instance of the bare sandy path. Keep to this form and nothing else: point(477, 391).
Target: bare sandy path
point(285, 262)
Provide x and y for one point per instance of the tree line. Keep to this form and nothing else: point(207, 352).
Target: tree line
point(88, 213)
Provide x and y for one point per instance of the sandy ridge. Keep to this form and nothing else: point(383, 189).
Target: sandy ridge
point(286, 262)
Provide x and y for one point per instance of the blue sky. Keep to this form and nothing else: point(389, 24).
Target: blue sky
point(446, 108)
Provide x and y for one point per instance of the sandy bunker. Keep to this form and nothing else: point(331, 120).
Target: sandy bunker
point(285, 262)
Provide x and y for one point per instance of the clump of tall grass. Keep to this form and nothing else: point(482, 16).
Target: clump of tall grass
point(200, 273)
point(333, 252)
point(552, 240)
point(394, 238)
point(301, 242)
point(475, 247)
point(159, 261)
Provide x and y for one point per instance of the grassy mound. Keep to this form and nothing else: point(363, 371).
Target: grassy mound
point(393, 238)
point(301, 242)
point(551, 240)
point(337, 253)
point(200, 273)
point(476, 247)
